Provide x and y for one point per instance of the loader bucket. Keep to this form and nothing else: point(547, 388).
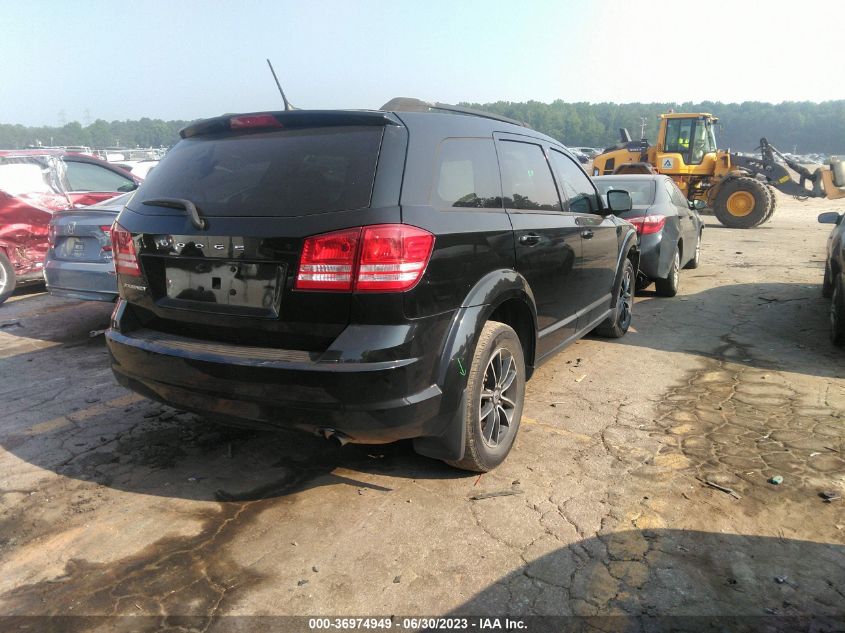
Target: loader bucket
point(832, 190)
point(837, 166)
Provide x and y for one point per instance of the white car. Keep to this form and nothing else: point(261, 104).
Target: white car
point(139, 168)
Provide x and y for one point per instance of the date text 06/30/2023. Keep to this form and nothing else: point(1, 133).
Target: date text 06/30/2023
point(431, 624)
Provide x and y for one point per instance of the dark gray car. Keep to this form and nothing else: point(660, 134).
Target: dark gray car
point(79, 261)
point(833, 285)
point(668, 225)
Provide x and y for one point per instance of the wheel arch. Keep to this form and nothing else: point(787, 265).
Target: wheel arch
point(501, 294)
point(7, 250)
point(630, 251)
point(515, 313)
point(505, 295)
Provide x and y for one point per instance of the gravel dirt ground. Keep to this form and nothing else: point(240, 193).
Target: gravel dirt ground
point(114, 505)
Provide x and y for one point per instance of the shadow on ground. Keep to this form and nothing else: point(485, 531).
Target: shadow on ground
point(777, 326)
point(641, 580)
point(64, 413)
point(651, 574)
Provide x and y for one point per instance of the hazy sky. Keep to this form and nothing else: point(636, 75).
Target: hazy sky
point(179, 59)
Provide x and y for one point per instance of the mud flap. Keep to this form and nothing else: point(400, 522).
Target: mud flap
point(451, 444)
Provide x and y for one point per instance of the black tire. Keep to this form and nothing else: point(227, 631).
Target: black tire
point(668, 287)
point(7, 278)
point(773, 203)
point(483, 451)
point(837, 313)
point(827, 283)
point(618, 323)
point(695, 262)
point(749, 199)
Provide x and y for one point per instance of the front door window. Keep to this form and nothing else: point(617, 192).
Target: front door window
point(691, 138)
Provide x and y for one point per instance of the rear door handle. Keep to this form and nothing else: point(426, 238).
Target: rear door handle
point(586, 234)
point(529, 239)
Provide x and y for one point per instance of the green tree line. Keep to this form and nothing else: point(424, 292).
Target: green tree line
point(791, 126)
point(802, 126)
point(142, 133)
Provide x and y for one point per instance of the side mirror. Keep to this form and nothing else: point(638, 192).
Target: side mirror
point(831, 217)
point(619, 201)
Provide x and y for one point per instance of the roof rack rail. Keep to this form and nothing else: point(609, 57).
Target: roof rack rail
point(409, 104)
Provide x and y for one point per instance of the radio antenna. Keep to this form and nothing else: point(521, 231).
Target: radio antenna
point(288, 106)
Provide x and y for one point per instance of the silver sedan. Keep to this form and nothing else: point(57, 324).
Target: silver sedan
point(79, 259)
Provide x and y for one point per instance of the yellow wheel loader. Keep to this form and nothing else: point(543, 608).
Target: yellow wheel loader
point(739, 188)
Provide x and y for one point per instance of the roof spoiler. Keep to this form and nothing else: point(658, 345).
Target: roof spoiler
point(410, 104)
point(291, 119)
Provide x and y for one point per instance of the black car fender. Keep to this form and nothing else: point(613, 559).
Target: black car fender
point(629, 247)
point(481, 302)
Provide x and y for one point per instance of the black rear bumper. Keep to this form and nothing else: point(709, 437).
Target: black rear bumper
point(367, 402)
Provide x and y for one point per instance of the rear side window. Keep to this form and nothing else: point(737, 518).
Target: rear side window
point(279, 173)
point(467, 175)
point(575, 184)
point(675, 194)
point(642, 191)
point(526, 179)
point(89, 177)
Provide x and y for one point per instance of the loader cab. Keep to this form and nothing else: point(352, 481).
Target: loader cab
point(684, 139)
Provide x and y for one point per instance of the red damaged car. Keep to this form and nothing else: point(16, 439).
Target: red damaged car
point(34, 184)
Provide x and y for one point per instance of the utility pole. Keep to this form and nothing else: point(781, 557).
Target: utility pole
point(62, 118)
point(87, 117)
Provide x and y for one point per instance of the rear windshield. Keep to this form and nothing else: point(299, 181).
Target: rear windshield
point(642, 191)
point(279, 173)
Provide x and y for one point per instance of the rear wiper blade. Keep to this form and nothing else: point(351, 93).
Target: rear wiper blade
point(180, 203)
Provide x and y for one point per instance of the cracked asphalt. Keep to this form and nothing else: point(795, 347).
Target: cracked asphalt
point(640, 477)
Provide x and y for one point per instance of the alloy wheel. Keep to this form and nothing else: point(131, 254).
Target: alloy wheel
point(676, 269)
point(497, 405)
point(626, 294)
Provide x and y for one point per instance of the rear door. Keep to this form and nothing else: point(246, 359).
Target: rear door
point(548, 241)
point(599, 240)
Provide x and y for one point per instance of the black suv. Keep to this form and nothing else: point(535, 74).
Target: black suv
point(369, 276)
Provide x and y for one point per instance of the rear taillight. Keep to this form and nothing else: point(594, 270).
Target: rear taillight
point(647, 224)
point(106, 229)
point(51, 235)
point(125, 257)
point(380, 258)
point(328, 261)
point(393, 257)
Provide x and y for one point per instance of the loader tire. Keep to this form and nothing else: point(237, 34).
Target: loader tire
point(773, 202)
point(742, 203)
